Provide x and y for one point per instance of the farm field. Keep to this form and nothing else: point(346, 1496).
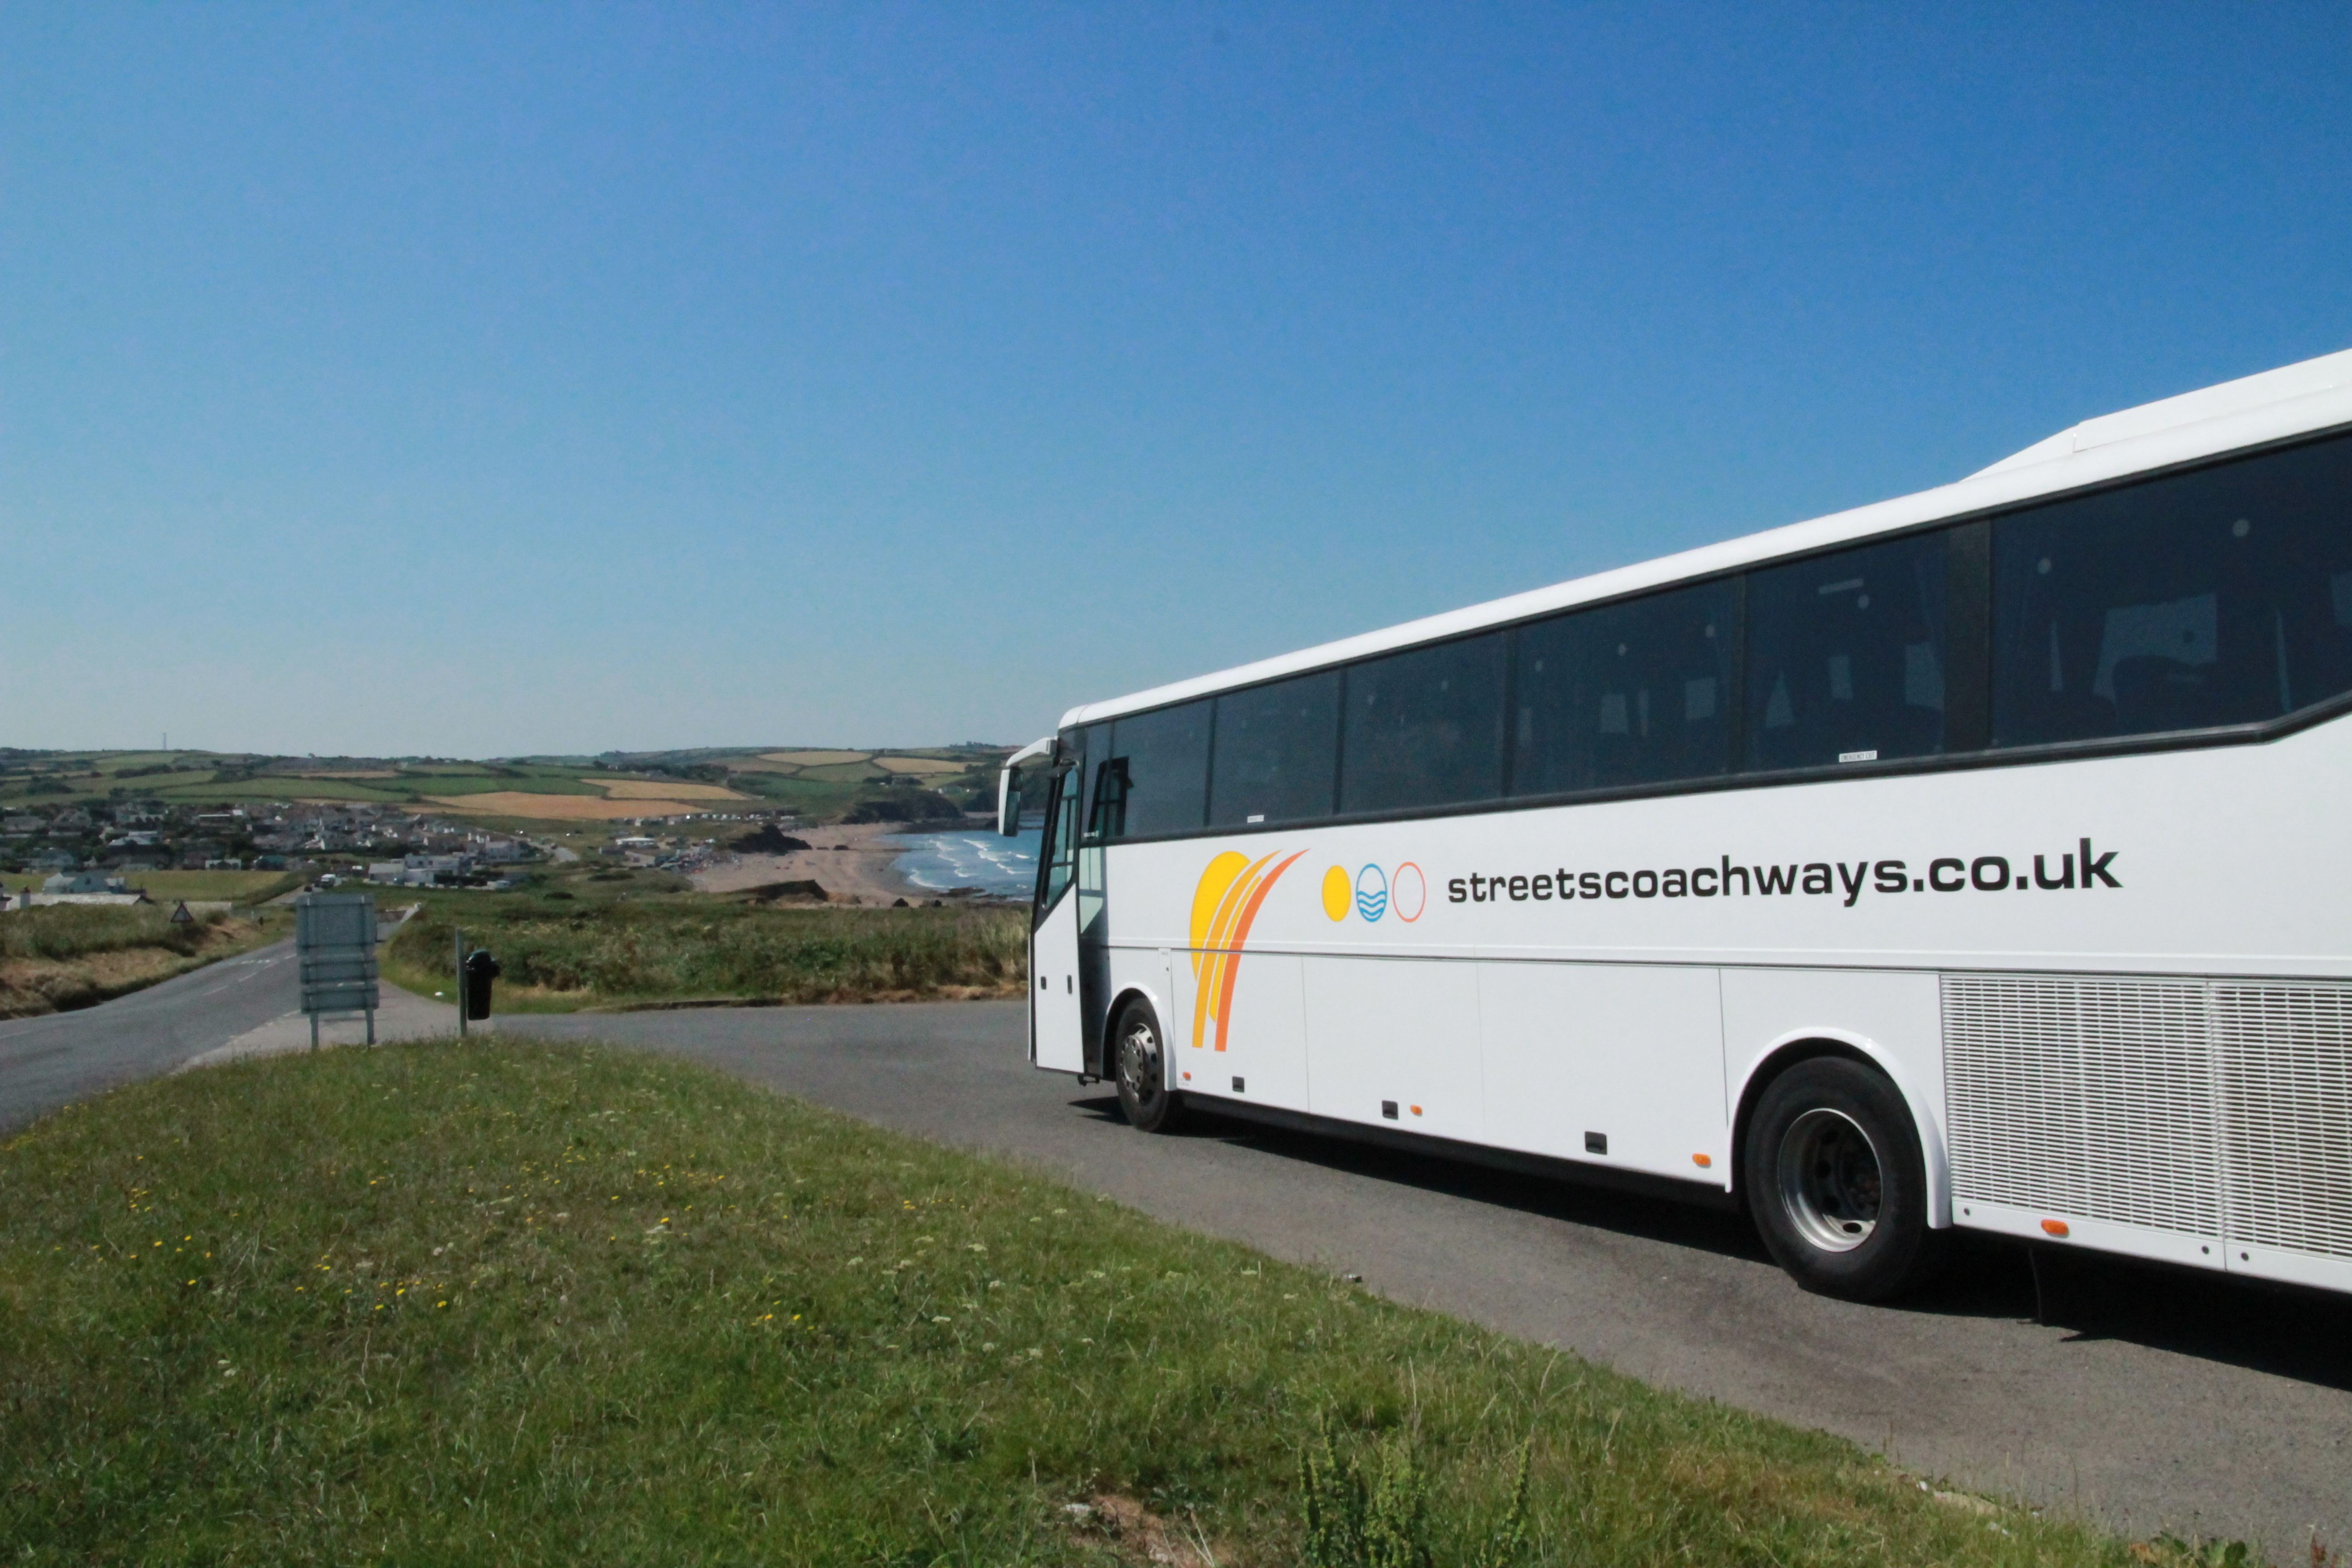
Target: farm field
point(566, 807)
point(817, 781)
point(392, 1304)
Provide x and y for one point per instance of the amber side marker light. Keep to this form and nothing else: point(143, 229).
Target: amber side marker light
point(2056, 1227)
point(1414, 1108)
point(1701, 1161)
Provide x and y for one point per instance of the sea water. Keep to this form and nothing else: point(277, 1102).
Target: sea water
point(970, 858)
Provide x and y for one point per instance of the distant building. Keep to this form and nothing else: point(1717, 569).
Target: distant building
point(21, 826)
point(83, 882)
point(54, 860)
point(83, 888)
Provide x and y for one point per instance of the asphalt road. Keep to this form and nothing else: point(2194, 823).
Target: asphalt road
point(2150, 1399)
point(46, 1063)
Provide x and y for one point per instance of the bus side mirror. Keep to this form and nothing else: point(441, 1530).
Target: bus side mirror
point(1008, 803)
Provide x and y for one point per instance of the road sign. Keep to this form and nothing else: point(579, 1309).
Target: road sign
point(181, 916)
point(334, 941)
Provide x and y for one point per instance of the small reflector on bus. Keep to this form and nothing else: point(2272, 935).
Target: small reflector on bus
point(1414, 1108)
point(1187, 1078)
point(2056, 1227)
point(1701, 1161)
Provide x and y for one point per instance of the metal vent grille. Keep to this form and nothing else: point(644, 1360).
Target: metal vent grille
point(2286, 1059)
point(2085, 1097)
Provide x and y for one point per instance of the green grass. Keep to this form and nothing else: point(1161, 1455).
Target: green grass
point(239, 887)
point(80, 931)
point(443, 1304)
point(597, 952)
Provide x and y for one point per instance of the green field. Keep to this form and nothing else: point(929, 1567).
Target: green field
point(595, 950)
point(515, 1303)
point(167, 886)
point(199, 778)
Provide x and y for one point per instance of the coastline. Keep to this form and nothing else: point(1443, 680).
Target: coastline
point(851, 862)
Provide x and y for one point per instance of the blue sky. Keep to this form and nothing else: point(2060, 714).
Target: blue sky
point(492, 380)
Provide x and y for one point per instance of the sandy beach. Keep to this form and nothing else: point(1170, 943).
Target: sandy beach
point(849, 862)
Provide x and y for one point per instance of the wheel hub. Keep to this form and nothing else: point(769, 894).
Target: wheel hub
point(1830, 1183)
point(1138, 1063)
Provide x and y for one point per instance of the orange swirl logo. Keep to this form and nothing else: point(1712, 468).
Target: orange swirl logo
point(1224, 905)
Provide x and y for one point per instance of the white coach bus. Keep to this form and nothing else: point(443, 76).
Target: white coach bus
point(1979, 858)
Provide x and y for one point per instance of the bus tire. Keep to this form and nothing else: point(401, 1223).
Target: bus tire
point(1836, 1182)
point(1140, 1068)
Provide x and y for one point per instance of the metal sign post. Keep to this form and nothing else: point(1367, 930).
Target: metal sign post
point(334, 943)
point(457, 973)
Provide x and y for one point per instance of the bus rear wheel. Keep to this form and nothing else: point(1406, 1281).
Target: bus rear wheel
point(1836, 1181)
point(1139, 1066)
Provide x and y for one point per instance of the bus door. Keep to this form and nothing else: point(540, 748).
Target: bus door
point(1106, 819)
point(1056, 1027)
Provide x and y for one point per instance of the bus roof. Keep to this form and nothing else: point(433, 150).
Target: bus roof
point(2293, 400)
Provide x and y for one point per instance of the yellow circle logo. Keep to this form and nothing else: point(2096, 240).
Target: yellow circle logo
point(1338, 893)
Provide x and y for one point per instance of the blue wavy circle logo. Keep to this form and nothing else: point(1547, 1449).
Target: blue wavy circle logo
point(1371, 893)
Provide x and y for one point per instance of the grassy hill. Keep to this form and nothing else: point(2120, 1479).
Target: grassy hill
point(815, 781)
point(516, 1303)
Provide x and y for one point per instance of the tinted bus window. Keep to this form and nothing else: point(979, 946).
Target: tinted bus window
point(1275, 752)
point(1424, 727)
point(1167, 758)
point(2222, 597)
point(1057, 852)
point(1846, 655)
point(1633, 693)
point(1091, 748)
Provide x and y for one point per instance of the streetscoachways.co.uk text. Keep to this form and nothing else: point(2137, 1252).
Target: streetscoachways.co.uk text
point(2078, 868)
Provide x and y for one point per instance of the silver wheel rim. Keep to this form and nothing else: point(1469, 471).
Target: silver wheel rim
point(1138, 1062)
point(1830, 1185)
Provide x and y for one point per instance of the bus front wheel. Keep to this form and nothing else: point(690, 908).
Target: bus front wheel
point(1140, 1068)
point(1836, 1181)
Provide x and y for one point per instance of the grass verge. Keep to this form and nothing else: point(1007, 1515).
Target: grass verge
point(525, 1303)
point(561, 957)
point(62, 956)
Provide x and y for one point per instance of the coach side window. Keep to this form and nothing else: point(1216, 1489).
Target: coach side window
point(1275, 752)
point(1631, 693)
point(1424, 728)
point(1847, 656)
point(2222, 596)
point(1166, 758)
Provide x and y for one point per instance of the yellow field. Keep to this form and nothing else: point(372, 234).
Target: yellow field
point(918, 765)
point(565, 807)
point(652, 789)
point(814, 759)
